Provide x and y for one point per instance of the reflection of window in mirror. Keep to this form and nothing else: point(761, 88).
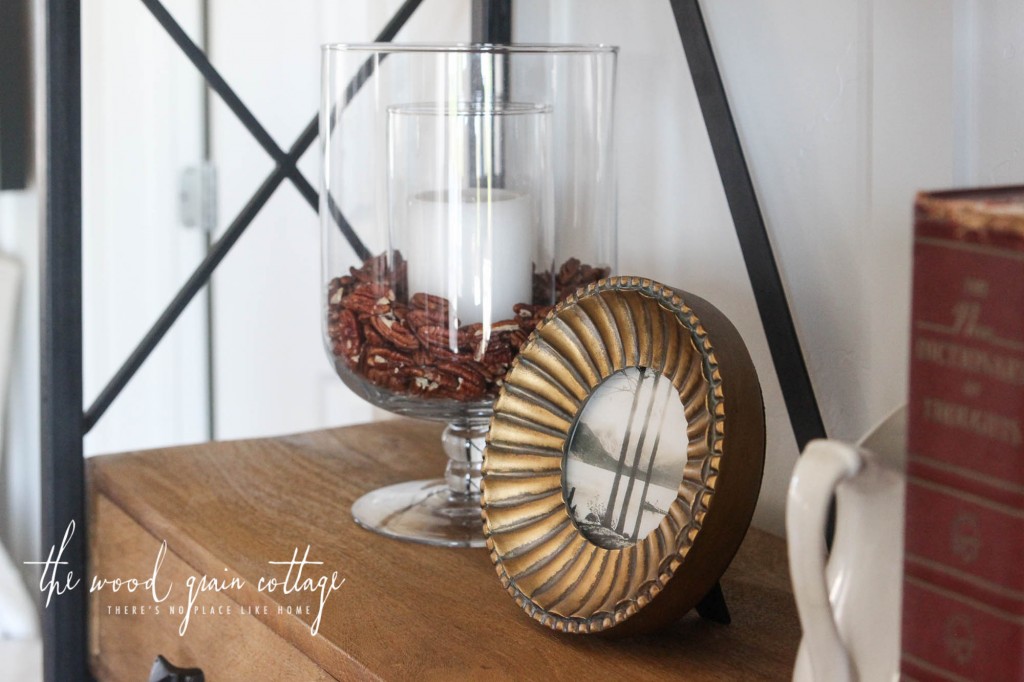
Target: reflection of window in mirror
point(625, 457)
point(15, 112)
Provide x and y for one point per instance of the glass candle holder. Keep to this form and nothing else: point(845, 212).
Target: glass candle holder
point(465, 189)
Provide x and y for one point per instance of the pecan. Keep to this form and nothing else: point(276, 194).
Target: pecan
point(470, 383)
point(501, 335)
point(494, 371)
point(430, 379)
point(469, 390)
point(517, 338)
point(463, 391)
point(437, 354)
point(430, 303)
point(530, 316)
point(387, 379)
point(574, 275)
point(589, 274)
point(529, 325)
point(400, 311)
point(499, 330)
point(464, 370)
point(344, 284)
point(347, 336)
point(434, 335)
point(369, 299)
point(465, 337)
point(422, 356)
point(504, 326)
point(525, 311)
point(568, 272)
point(360, 301)
point(360, 275)
point(493, 353)
point(380, 356)
point(421, 318)
point(372, 270)
point(474, 332)
point(394, 332)
point(380, 290)
point(371, 335)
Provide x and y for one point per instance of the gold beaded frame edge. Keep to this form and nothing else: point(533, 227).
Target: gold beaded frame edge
point(559, 577)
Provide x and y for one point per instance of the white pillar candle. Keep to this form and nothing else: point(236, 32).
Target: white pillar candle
point(474, 247)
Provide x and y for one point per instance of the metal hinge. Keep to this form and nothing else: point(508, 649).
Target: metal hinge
point(197, 197)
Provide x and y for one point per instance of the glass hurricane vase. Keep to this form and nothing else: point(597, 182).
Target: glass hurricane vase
point(466, 188)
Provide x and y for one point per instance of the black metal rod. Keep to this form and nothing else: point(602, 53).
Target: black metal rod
point(492, 22)
point(63, 468)
point(16, 94)
point(246, 117)
point(220, 249)
point(783, 342)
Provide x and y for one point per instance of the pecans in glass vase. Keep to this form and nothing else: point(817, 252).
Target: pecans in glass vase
point(409, 344)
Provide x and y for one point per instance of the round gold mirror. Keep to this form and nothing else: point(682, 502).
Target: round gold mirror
point(624, 459)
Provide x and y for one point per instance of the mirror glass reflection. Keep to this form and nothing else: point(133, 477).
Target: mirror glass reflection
point(625, 457)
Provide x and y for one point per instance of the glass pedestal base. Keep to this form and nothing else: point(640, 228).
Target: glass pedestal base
point(422, 511)
point(440, 512)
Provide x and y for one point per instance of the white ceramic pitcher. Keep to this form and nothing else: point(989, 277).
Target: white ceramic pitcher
point(850, 606)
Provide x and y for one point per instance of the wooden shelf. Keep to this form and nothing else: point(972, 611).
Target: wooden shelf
point(405, 611)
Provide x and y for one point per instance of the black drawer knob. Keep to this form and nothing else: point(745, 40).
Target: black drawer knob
point(164, 671)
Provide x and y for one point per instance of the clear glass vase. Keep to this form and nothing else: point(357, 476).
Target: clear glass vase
point(465, 189)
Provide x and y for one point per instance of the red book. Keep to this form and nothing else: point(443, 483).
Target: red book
point(963, 594)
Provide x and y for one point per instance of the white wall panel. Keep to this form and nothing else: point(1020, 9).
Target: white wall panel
point(271, 372)
point(995, 55)
point(141, 127)
point(912, 148)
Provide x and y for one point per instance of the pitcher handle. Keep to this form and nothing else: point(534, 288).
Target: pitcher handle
point(821, 467)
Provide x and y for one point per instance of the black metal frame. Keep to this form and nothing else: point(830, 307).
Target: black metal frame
point(63, 469)
point(65, 424)
point(15, 95)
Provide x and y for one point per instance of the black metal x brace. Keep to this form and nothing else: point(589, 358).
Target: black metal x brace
point(234, 102)
point(285, 167)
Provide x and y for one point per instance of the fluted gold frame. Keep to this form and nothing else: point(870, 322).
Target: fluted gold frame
point(558, 576)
